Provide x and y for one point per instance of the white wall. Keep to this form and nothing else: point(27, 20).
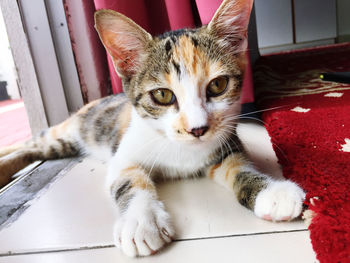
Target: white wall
point(7, 66)
point(274, 22)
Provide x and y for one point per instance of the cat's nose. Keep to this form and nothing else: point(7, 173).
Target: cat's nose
point(198, 132)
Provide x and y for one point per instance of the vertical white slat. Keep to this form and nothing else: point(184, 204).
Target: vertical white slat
point(274, 22)
point(64, 52)
point(45, 61)
point(315, 20)
point(28, 82)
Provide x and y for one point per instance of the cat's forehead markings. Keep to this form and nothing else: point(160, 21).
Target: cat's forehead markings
point(167, 77)
point(193, 58)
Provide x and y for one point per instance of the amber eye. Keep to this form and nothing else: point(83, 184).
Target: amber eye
point(163, 96)
point(217, 86)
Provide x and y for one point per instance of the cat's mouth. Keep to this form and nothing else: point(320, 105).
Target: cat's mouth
point(192, 140)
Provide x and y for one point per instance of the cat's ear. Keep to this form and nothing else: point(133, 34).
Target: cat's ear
point(230, 23)
point(124, 40)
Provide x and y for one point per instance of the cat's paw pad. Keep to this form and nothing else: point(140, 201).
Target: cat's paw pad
point(280, 201)
point(143, 234)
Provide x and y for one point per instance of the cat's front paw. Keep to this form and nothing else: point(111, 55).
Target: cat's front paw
point(144, 232)
point(280, 201)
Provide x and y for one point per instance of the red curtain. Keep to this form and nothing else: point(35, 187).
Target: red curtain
point(158, 16)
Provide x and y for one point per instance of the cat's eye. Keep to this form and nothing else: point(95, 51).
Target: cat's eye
point(163, 96)
point(217, 86)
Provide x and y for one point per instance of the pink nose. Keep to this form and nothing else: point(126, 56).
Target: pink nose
point(198, 132)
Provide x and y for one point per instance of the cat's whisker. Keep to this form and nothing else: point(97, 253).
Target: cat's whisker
point(157, 158)
point(228, 145)
point(255, 119)
point(222, 152)
point(233, 141)
point(225, 142)
point(246, 146)
point(258, 111)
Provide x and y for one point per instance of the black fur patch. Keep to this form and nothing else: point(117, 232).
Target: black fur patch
point(247, 186)
point(177, 33)
point(53, 153)
point(122, 195)
point(177, 67)
point(122, 190)
point(138, 97)
point(194, 41)
point(167, 47)
point(67, 148)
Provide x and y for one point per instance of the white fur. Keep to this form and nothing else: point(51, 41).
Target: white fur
point(281, 200)
point(140, 229)
point(141, 144)
point(144, 228)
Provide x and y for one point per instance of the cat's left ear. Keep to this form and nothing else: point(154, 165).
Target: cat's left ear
point(125, 41)
point(230, 23)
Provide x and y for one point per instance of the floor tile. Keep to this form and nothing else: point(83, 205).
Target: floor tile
point(258, 145)
point(200, 208)
point(76, 211)
point(271, 248)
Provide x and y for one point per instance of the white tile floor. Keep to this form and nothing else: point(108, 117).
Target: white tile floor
point(73, 220)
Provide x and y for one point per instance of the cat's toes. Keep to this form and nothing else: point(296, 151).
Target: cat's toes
point(143, 234)
point(280, 201)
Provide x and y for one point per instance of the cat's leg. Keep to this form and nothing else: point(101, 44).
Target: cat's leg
point(59, 141)
point(269, 199)
point(143, 226)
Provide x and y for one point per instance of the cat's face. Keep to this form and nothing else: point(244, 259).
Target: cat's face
point(186, 84)
point(186, 88)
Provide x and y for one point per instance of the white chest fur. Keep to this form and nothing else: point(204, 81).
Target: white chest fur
point(143, 145)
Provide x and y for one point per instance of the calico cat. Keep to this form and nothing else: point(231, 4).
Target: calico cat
point(177, 118)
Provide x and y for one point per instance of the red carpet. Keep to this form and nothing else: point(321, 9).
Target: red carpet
point(311, 136)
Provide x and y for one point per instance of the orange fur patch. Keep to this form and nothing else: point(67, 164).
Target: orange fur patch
point(181, 124)
point(85, 109)
point(183, 121)
point(212, 170)
point(167, 78)
point(129, 169)
point(233, 165)
point(193, 57)
point(124, 118)
point(60, 129)
point(53, 132)
point(228, 169)
point(141, 183)
point(138, 177)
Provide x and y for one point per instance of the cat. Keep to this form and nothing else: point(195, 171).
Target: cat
point(176, 118)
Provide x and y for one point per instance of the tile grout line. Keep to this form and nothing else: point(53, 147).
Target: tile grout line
point(242, 235)
point(9, 254)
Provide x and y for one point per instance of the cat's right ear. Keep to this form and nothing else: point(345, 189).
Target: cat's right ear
point(123, 39)
point(230, 23)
